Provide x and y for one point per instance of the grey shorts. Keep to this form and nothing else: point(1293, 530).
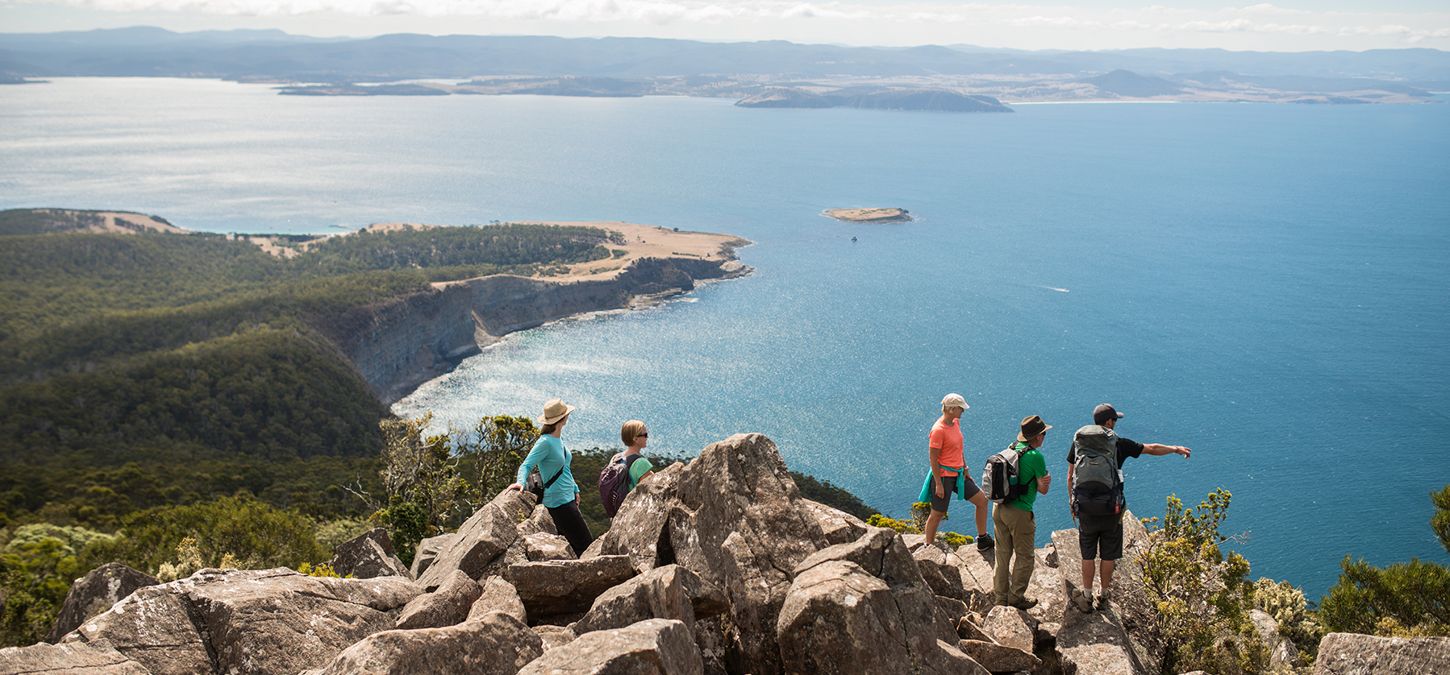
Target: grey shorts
point(950, 484)
point(1100, 537)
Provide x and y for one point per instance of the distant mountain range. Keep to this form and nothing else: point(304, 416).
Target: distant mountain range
point(649, 65)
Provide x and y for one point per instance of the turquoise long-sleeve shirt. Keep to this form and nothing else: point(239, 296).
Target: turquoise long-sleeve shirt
point(549, 456)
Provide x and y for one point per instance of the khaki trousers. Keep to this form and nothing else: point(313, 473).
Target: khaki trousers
point(1015, 531)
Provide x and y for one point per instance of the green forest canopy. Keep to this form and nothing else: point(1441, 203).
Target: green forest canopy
point(201, 358)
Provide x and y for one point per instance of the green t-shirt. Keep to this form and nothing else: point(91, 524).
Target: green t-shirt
point(1030, 467)
point(638, 469)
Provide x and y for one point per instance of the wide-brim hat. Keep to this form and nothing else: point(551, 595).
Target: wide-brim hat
point(1031, 427)
point(554, 411)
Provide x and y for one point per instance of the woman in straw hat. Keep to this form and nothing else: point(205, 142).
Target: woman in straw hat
point(561, 493)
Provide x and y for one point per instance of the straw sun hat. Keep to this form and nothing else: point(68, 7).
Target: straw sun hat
point(554, 411)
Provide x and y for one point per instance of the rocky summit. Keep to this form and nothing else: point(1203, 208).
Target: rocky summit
point(714, 566)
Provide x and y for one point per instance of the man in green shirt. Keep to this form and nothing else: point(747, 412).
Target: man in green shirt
point(1016, 526)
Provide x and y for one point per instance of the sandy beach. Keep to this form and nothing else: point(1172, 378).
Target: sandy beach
point(640, 241)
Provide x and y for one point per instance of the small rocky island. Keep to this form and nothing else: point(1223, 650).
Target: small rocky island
point(870, 215)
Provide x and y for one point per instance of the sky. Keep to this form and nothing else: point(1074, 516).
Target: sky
point(1285, 25)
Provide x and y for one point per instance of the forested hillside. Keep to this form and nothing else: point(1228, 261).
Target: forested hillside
point(193, 356)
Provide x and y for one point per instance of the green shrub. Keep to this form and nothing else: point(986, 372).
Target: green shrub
point(333, 533)
point(1400, 600)
point(1440, 522)
point(1286, 603)
point(1200, 597)
point(321, 570)
point(953, 539)
point(255, 534)
point(37, 566)
point(878, 520)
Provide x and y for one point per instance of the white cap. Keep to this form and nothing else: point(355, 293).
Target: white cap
point(954, 401)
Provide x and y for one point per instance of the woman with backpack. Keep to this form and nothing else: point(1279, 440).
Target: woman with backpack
point(626, 469)
point(561, 493)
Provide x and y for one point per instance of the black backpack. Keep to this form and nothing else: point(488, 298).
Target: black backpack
point(537, 486)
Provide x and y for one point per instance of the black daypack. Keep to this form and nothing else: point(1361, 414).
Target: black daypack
point(999, 476)
point(536, 485)
point(1097, 482)
point(614, 482)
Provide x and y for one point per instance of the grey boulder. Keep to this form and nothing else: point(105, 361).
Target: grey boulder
point(1098, 643)
point(482, 538)
point(96, 592)
point(538, 522)
point(656, 646)
point(498, 596)
point(669, 592)
point(557, 587)
point(493, 643)
point(367, 556)
point(247, 621)
point(554, 636)
point(427, 552)
point(841, 617)
point(79, 658)
point(545, 546)
point(999, 658)
point(1009, 626)
point(838, 527)
point(1355, 654)
point(446, 606)
point(941, 569)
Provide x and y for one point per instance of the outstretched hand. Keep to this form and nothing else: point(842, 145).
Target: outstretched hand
point(515, 486)
point(1182, 451)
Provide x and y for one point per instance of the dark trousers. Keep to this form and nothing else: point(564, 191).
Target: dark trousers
point(570, 523)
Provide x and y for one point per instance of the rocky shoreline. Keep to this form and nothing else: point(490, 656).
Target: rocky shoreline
point(715, 566)
point(400, 345)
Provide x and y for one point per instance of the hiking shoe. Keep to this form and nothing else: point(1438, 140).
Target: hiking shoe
point(1080, 601)
point(1103, 600)
point(1025, 604)
point(985, 543)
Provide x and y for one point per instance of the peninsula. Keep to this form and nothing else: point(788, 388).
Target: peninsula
point(200, 356)
point(870, 215)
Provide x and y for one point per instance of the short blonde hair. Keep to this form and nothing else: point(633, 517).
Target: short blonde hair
point(630, 431)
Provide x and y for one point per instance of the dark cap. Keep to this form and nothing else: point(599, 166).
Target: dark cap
point(1031, 428)
point(1105, 412)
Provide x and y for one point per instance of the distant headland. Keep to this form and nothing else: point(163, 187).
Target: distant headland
point(932, 99)
point(870, 215)
point(771, 74)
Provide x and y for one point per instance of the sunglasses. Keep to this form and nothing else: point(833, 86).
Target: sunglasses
point(643, 435)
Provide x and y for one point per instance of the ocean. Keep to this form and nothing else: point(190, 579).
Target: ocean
point(1266, 284)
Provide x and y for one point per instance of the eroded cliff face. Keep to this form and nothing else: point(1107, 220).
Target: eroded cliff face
point(402, 344)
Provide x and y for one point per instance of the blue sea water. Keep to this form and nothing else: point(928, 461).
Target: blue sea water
point(1269, 285)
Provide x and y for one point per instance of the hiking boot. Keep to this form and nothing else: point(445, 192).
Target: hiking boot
point(1024, 604)
point(985, 543)
point(1104, 598)
point(1080, 601)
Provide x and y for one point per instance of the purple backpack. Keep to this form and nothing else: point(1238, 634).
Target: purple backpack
point(614, 482)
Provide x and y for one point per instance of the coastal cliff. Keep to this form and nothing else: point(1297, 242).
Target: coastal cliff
point(403, 343)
